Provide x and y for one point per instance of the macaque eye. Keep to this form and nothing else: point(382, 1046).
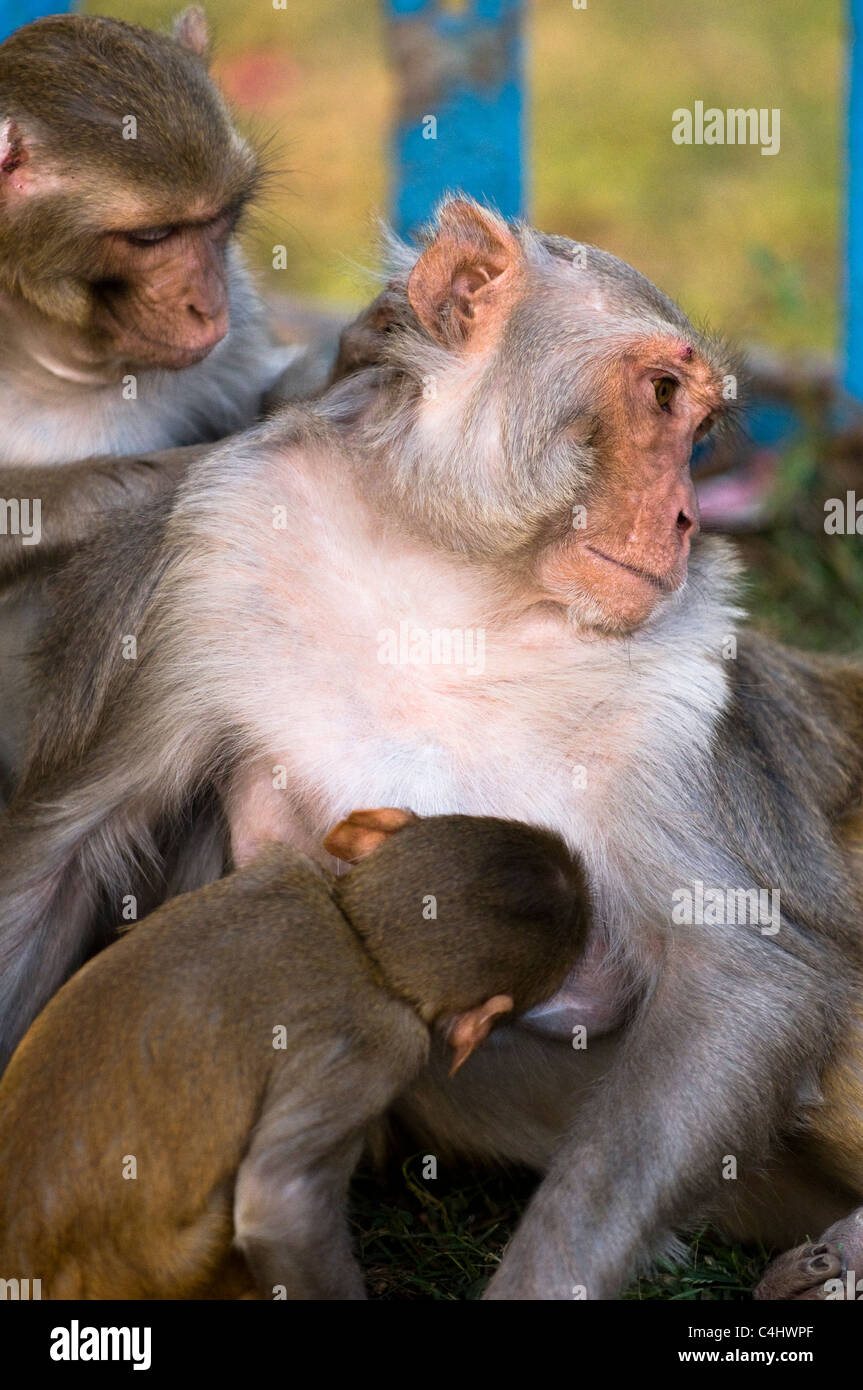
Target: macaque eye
point(664, 388)
point(148, 236)
point(705, 427)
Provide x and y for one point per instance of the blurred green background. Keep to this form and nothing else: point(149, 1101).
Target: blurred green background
point(746, 241)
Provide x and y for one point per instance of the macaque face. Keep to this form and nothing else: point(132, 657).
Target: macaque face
point(160, 298)
point(566, 415)
point(114, 238)
point(635, 515)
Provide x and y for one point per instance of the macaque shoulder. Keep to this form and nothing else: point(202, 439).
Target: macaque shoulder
point(797, 718)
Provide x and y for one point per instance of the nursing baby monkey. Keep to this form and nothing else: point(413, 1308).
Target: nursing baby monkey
point(238, 1044)
point(503, 476)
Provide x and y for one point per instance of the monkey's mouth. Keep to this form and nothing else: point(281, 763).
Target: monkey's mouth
point(666, 583)
point(145, 349)
point(176, 358)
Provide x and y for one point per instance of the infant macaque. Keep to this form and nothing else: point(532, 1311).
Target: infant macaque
point(183, 1119)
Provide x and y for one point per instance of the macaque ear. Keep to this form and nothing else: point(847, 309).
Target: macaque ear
point(466, 281)
point(470, 1029)
point(15, 175)
point(363, 831)
point(191, 32)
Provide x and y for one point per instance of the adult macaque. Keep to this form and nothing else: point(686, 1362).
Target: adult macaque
point(240, 1042)
point(465, 580)
point(128, 322)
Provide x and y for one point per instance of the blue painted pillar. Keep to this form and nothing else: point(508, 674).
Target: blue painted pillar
point(853, 347)
point(14, 13)
point(458, 66)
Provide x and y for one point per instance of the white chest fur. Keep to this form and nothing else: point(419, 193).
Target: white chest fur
point(366, 669)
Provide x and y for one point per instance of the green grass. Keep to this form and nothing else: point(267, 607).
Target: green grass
point(438, 1239)
point(443, 1238)
point(713, 1272)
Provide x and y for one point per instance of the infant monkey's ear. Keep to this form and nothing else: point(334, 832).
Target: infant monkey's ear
point(470, 1029)
point(363, 831)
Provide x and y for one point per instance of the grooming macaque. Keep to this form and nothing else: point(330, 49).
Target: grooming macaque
point(510, 476)
point(128, 321)
point(237, 1045)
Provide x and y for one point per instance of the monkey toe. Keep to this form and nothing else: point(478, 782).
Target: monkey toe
point(801, 1273)
point(847, 1235)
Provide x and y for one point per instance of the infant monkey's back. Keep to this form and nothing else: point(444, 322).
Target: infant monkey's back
point(228, 1054)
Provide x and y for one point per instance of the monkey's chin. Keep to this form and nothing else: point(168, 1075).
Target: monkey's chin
point(176, 359)
point(602, 594)
point(591, 614)
point(614, 598)
point(611, 610)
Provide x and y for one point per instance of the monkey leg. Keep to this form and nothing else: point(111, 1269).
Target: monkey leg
point(811, 1186)
point(804, 1273)
point(290, 1221)
point(626, 1177)
point(834, 1132)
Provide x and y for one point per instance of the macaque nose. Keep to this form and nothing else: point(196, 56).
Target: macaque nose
point(209, 324)
point(685, 504)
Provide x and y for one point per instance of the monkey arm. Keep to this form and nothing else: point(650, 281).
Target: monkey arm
point(683, 1095)
point(76, 500)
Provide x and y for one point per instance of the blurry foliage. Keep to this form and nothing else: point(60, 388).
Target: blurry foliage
point(602, 84)
point(783, 291)
point(605, 81)
point(807, 589)
point(805, 586)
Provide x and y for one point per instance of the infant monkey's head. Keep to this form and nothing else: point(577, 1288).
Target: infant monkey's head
point(469, 917)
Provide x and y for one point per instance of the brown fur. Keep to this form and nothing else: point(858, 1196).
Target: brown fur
point(244, 1150)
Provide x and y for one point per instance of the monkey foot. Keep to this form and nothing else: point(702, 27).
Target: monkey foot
point(831, 1268)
